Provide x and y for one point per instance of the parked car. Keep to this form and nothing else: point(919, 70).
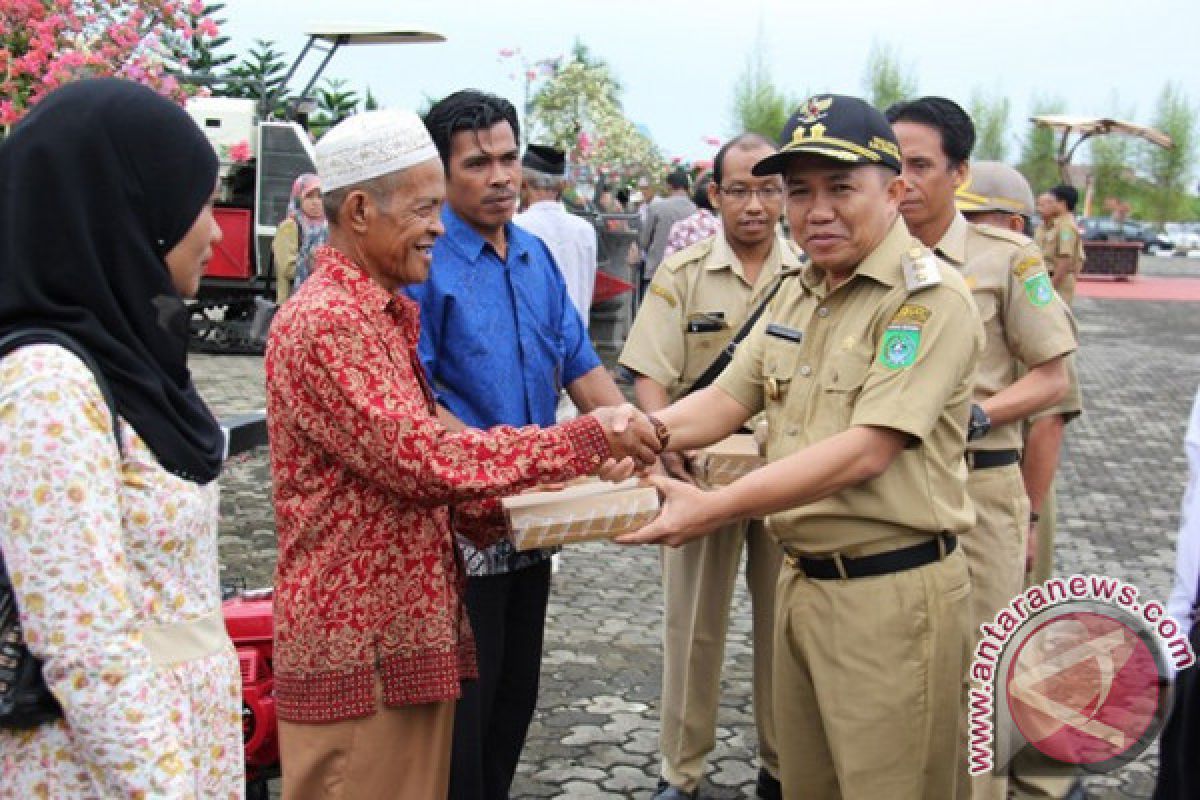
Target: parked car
point(1104, 229)
point(1185, 236)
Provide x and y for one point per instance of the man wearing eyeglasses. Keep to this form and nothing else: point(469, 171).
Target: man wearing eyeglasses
point(699, 299)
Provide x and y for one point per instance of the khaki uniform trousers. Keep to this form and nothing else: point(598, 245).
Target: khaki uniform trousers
point(398, 753)
point(867, 682)
point(698, 580)
point(1043, 562)
point(995, 551)
point(1031, 777)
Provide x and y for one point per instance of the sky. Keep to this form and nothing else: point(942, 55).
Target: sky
point(679, 61)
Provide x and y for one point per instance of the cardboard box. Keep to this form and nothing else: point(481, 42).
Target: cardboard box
point(724, 462)
point(581, 513)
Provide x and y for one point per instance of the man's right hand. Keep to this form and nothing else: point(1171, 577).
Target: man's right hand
point(629, 433)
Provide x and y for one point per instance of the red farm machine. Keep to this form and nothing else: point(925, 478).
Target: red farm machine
point(260, 157)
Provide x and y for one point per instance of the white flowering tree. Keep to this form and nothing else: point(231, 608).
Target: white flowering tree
point(578, 109)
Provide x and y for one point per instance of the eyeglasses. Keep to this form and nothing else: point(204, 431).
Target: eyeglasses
point(741, 194)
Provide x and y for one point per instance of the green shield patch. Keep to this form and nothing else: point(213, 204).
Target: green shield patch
point(1039, 290)
point(899, 348)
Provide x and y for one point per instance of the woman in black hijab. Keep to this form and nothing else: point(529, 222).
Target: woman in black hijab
point(106, 223)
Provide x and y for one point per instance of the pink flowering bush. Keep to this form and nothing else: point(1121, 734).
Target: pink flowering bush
point(238, 153)
point(46, 43)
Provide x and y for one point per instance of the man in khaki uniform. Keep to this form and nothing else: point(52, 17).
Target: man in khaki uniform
point(1059, 240)
point(700, 298)
point(998, 195)
point(863, 364)
point(1027, 328)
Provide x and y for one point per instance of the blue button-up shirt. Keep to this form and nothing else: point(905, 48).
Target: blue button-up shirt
point(499, 339)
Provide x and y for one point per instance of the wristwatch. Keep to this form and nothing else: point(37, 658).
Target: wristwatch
point(660, 430)
point(979, 424)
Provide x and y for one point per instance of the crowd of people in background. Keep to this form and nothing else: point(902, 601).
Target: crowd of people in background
point(857, 294)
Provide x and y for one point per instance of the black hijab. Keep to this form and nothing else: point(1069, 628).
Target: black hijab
point(97, 184)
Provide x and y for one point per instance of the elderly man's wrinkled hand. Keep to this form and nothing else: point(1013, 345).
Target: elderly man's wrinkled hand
point(617, 471)
point(629, 433)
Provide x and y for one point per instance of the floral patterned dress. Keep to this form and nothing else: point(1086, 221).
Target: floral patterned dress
point(115, 565)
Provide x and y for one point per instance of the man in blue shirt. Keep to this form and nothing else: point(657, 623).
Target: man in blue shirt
point(499, 339)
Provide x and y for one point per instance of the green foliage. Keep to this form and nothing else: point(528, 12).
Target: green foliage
point(990, 115)
point(258, 75)
point(758, 104)
point(335, 102)
point(1171, 169)
point(370, 103)
point(886, 80)
point(1113, 158)
point(1039, 148)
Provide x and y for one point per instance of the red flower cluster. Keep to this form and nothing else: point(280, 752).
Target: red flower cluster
point(46, 43)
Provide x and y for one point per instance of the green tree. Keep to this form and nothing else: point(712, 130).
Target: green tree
point(370, 102)
point(1113, 160)
point(758, 104)
point(886, 80)
point(1039, 148)
point(259, 74)
point(1171, 168)
point(335, 102)
point(990, 115)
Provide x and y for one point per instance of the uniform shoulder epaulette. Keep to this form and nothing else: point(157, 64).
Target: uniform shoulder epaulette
point(1003, 234)
point(921, 268)
point(688, 255)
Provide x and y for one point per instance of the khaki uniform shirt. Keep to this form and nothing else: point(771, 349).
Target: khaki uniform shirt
point(1061, 238)
point(1024, 321)
point(895, 346)
point(699, 299)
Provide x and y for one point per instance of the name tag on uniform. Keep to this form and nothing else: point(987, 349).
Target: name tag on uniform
point(785, 333)
point(706, 322)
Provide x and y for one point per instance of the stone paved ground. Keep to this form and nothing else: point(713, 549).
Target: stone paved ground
point(595, 731)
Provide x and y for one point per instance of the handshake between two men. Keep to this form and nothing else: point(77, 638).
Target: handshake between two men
point(633, 438)
point(706, 417)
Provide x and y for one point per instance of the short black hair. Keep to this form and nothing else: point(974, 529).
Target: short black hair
point(622, 195)
point(678, 179)
point(743, 141)
point(467, 110)
point(944, 116)
point(700, 194)
point(1067, 195)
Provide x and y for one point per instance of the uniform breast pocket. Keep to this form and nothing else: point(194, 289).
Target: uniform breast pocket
point(843, 382)
point(780, 365)
point(985, 303)
point(700, 350)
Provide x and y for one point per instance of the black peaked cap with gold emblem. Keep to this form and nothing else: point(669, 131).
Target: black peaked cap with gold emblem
point(837, 127)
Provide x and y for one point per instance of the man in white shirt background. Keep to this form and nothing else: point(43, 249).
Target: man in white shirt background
point(570, 239)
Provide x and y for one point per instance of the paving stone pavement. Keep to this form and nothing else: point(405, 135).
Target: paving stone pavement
point(595, 733)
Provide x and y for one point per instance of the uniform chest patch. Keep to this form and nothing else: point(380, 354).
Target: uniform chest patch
point(1039, 290)
point(902, 339)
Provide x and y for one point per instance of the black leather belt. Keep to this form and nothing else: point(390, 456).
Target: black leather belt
point(841, 567)
point(986, 459)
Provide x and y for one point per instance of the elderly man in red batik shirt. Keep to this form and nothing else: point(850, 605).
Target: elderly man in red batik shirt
point(371, 638)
